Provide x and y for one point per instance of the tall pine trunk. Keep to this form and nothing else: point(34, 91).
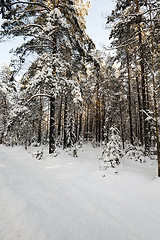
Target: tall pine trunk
point(40, 123)
point(148, 123)
point(144, 103)
point(52, 131)
point(154, 94)
point(76, 115)
point(99, 123)
point(139, 112)
point(103, 117)
point(80, 124)
point(122, 128)
point(65, 123)
point(143, 82)
point(129, 98)
point(97, 114)
point(87, 123)
point(60, 117)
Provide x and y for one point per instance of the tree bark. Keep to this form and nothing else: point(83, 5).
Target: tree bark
point(52, 131)
point(122, 130)
point(154, 95)
point(76, 125)
point(80, 124)
point(60, 117)
point(129, 99)
point(140, 112)
point(148, 122)
point(65, 123)
point(40, 123)
point(103, 118)
point(143, 82)
point(97, 115)
point(87, 127)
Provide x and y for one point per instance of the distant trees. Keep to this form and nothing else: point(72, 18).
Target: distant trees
point(7, 98)
point(137, 50)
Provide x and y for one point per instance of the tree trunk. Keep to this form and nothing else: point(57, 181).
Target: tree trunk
point(52, 131)
point(80, 124)
point(60, 117)
point(91, 125)
point(143, 82)
point(40, 123)
point(144, 105)
point(76, 126)
point(148, 123)
point(154, 95)
point(65, 123)
point(99, 122)
point(129, 99)
point(87, 113)
point(97, 115)
point(122, 130)
point(140, 113)
point(103, 118)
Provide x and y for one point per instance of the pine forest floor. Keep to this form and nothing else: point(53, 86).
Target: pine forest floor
point(66, 198)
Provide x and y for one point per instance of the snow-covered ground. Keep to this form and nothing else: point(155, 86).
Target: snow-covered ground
point(66, 198)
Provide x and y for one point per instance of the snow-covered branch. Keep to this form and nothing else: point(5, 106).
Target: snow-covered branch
point(143, 13)
point(120, 46)
point(35, 25)
point(148, 116)
point(31, 3)
point(38, 95)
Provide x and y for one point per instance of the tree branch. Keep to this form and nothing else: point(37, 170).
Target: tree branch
point(38, 95)
point(120, 46)
point(31, 3)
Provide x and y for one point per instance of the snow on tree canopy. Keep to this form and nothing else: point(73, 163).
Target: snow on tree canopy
point(56, 13)
point(135, 153)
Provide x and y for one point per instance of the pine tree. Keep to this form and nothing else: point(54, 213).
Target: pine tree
point(8, 96)
point(112, 154)
point(57, 37)
point(136, 28)
point(71, 136)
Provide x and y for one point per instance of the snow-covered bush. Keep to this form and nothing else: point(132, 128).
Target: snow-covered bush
point(112, 153)
point(95, 144)
point(80, 142)
point(75, 150)
point(38, 154)
point(134, 153)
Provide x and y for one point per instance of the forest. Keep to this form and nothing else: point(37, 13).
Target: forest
point(71, 92)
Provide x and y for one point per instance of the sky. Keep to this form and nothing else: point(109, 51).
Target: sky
point(95, 23)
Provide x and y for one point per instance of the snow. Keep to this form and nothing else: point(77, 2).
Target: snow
point(66, 198)
point(57, 13)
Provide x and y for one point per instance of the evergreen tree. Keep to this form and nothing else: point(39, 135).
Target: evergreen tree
point(71, 137)
point(112, 154)
point(130, 37)
point(8, 96)
point(56, 36)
